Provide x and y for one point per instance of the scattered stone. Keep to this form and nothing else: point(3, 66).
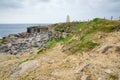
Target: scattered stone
point(101, 78)
point(51, 61)
point(108, 71)
point(54, 74)
point(82, 68)
point(103, 49)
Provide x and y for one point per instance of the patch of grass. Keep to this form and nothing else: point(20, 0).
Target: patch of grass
point(107, 28)
point(1, 41)
point(88, 45)
point(75, 46)
point(51, 43)
point(17, 57)
point(64, 40)
point(23, 61)
point(40, 51)
point(82, 37)
point(84, 34)
point(85, 31)
point(79, 26)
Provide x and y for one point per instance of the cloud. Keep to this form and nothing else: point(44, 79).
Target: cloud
point(43, 0)
point(56, 10)
point(6, 4)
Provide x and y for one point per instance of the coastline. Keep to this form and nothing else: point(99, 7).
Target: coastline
point(6, 29)
point(35, 36)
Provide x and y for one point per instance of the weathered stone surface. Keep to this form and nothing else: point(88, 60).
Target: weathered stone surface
point(24, 67)
point(17, 43)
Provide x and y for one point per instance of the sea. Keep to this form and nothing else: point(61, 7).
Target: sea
point(6, 29)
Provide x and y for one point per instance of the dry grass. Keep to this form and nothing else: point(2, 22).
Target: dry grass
point(56, 65)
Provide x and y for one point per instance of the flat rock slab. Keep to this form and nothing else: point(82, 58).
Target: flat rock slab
point(24, 67)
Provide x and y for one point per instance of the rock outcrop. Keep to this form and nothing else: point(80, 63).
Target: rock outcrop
point(23, 42)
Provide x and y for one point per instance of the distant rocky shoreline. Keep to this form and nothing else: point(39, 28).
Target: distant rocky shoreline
point(36, 36)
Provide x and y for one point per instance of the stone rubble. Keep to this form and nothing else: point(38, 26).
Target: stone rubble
point(23, 42)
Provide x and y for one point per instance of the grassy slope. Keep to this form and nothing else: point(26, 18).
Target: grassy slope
point(54, 64)
point(81, 34)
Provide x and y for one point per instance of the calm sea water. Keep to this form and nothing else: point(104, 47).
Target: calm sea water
point(6, 29)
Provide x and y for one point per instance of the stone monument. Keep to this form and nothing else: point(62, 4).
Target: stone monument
point(68, 18)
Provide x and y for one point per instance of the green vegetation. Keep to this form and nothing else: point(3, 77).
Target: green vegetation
point(75, 46)
point(1, 41)
point(83, 32)
point(23, 61)
point(51, 43)
point(40, 51)
point(64, 40)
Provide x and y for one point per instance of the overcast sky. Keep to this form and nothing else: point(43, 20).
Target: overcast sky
point(52, 11)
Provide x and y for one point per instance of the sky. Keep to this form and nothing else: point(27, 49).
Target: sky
point(55, 11)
